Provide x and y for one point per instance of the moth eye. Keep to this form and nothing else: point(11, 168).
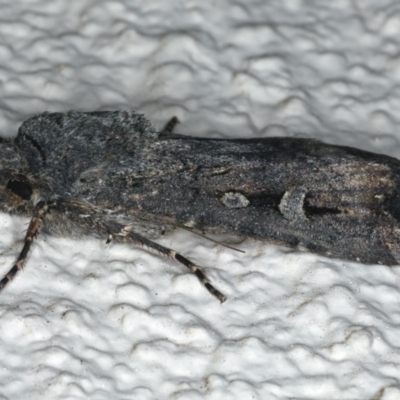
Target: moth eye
point(22, 189)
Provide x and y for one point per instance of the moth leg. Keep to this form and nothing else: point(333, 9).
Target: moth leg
point(138, 239)
point(109, 238)
point(31, 233)
point(170, 125)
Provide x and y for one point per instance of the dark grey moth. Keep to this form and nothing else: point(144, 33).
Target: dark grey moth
point(115, 176)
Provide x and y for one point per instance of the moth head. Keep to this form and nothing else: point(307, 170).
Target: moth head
point(15, 188)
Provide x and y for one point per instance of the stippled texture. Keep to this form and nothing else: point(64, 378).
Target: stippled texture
point(114, 168)
point(84, 321)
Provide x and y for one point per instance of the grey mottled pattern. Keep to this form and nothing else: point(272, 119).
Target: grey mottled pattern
point(112, 174)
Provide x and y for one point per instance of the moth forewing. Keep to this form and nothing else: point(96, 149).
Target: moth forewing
point(112, 174)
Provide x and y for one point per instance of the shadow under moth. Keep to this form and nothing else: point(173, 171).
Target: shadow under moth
point(113, 175)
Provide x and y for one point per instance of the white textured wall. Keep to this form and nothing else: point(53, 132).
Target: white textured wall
point(83, 321)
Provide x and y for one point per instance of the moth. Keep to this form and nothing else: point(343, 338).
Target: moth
point(113, 175)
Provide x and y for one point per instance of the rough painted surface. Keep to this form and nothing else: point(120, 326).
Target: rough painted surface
point(84, 321)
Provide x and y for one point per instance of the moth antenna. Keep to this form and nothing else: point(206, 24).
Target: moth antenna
point(210, 239)
point(33, 230)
